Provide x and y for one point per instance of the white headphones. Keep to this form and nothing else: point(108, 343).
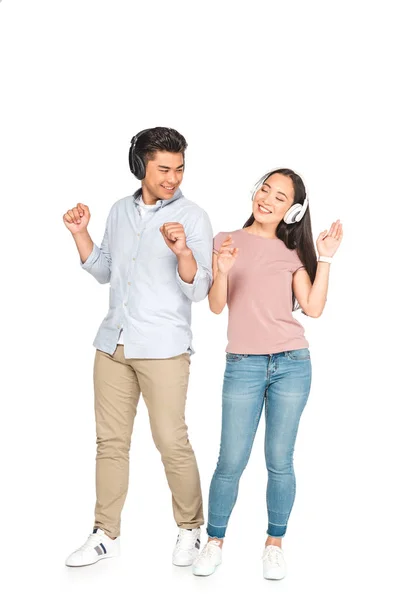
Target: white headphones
point(295, 212)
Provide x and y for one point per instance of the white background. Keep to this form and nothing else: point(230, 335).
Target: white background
point(252, 86)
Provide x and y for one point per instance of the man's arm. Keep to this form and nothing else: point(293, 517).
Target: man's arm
point(97, 261)
point(193, 250)
point(84, 244)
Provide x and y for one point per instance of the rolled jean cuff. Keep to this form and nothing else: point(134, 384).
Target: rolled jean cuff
point(216, 532)
point(216, 526)
point(277, 531)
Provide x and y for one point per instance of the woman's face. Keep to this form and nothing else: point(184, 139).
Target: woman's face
point(273, 199)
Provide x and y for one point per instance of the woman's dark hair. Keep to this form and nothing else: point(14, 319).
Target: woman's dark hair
point(299, 235)
point(159, 138)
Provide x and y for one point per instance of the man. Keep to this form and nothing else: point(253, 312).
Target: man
point(157, 255)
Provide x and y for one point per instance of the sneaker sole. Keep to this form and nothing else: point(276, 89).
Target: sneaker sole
point(275, 577)
point(185, 563)
point(88, 564)
point(198, 574)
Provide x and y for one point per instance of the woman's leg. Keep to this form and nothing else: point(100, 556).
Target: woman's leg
point(242, 403)
point(287, 394)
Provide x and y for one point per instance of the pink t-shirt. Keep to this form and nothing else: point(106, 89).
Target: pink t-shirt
point(260, 296)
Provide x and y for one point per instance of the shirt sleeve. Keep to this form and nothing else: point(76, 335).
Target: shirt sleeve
point(297, 264)
point(98, 263)
point(219, 238)
point(200, 242)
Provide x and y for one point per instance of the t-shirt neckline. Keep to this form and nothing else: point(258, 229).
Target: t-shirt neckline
point(259, 236)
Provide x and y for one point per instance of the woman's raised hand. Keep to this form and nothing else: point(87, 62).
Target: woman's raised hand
point(329, 242)
point(226, 256)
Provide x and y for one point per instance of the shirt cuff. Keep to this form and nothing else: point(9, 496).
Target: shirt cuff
point(188, 286)
point(91, 259)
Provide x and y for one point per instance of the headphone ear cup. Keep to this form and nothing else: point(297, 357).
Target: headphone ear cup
point(139, 168)
point(290, 216)
point(296, 212)
point(130, 158)
point(136, 164)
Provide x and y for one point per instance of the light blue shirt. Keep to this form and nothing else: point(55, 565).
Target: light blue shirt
point(148, 298)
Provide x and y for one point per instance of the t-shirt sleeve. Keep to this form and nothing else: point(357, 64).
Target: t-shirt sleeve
point(219, 238)
point(297, 264)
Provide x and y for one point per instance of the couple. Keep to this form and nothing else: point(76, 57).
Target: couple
point(158, 254)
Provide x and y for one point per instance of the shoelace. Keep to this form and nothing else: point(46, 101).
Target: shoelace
point(93, 540)
point(273, 555)
point(186, 540)
point(208, 551)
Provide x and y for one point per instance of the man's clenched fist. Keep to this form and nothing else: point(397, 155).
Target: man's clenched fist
point(77, 219)
point(175, 238)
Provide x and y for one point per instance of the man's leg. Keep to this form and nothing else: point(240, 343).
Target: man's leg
point(164, 384)
point(116, 397)
point(117, 394)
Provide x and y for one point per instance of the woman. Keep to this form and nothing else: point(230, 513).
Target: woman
point(264, 272)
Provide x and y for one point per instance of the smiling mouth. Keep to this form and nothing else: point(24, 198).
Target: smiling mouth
point(169, 189)
point(264, 210)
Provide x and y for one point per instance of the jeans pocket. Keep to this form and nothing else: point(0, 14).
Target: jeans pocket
point(234, 358)
point(302, 354)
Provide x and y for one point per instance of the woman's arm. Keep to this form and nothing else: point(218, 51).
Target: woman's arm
point(222, 263)
point(312, 297)
point(218, 293)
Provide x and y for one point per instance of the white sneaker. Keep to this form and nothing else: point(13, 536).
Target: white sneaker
point(208, 560)
point(274, 566)
point(187, 547)
point(97, 546)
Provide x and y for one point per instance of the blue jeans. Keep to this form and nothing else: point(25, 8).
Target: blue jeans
point(283, 381)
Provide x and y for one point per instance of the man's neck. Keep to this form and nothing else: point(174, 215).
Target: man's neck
point(148, 198)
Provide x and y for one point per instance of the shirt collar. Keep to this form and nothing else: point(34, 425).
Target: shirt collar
point(161, 203)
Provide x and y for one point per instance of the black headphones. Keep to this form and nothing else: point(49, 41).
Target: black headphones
point(136, 163)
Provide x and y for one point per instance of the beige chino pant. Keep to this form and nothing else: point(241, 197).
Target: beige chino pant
point(118, 383)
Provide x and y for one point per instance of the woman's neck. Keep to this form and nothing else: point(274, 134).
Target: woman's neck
point(267, 231)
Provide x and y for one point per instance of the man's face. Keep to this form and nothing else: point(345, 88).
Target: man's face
point(164, 173)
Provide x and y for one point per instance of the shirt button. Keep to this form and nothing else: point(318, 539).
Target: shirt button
point(133, 259)
point(118, 326)
point(129, 283)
